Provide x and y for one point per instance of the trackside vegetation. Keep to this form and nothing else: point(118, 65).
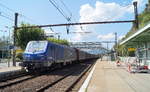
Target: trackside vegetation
point(24, 35)
point(58, 41)
point(144, 19)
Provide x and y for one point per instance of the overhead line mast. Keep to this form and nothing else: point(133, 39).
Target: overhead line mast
point(14, 38)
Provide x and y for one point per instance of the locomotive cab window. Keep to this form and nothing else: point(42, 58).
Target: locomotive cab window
point(36, 47)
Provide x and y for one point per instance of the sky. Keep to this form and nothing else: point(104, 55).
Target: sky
point(41, 12)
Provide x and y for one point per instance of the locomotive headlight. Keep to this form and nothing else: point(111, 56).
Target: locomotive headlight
point(27, 56)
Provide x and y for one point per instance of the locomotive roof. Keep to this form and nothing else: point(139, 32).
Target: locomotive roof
point(60, 45)
point(64, 46)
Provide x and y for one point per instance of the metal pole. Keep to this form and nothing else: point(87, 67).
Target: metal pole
point(9, 42)
point(58, 37)
point(116, 44)
point(4, 45)
point(15, 29)
point(116, 39)
point(9, 50)
point(107, 51)
point(136, 15)
point(146, 52)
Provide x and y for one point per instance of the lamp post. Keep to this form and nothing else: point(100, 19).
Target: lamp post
point(3, 36)
point(58, 37)
point(116, 43)
point(8, 43)
point(2, 48)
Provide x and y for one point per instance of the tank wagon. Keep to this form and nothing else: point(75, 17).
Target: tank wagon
point(44, 54)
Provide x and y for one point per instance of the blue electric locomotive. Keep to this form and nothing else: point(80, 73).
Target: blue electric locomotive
point(42, 54)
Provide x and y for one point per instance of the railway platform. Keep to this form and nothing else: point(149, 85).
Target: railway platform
point(106, 76)
point(10, 71)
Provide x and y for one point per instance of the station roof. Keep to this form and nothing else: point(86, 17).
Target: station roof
point(142, 35)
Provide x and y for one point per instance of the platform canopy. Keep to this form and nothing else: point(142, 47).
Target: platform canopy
point(142, 35)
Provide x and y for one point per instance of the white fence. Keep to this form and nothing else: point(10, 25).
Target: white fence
point(128, 60)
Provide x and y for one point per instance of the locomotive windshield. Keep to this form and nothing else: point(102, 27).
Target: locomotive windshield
point(36, 47)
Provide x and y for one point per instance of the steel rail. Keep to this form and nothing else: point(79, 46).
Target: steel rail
point(79, 78)
point(42, 89)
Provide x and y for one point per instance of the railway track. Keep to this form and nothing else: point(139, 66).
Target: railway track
point(53, 83)
point(43, 82)
point(78, 79)
point(67, 88)
point(16, 80)
point(14, 77)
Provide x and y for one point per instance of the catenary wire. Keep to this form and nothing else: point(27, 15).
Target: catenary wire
point(13, 11)
point(59, 9)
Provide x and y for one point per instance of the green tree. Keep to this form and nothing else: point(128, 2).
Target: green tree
point(144, 18)
point(24, 35)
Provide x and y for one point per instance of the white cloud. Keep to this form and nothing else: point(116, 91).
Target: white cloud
point(102, 12)
point(77, 38)
point(108, 36)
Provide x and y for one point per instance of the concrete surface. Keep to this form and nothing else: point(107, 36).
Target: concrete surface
point(9, 69)
point(7, 64)
point(107, 77)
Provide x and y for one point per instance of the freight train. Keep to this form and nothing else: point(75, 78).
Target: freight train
point(44, 54)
